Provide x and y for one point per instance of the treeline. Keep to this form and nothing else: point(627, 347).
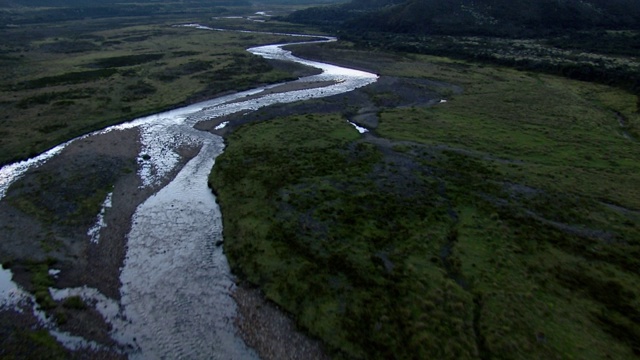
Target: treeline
point(603, 42)
point(616, 75)
point(341, 14)
point(72, 10)
point(109, 3)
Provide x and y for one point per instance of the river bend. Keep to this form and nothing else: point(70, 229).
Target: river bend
point(176, 283)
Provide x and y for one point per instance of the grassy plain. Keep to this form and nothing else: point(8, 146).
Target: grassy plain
point(66, 79)
point(503, 223)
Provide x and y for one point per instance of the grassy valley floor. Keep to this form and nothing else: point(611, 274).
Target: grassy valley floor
point(502, 223)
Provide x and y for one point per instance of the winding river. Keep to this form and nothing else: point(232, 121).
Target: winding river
point(176, 284)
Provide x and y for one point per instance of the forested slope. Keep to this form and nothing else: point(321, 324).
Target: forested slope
point(479, 17)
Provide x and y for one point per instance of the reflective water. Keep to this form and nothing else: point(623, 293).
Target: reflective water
point(360, 129)
point(94, 231)
point(176, 284)
point(10, 294)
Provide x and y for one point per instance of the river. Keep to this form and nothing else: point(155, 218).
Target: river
point(176, 283)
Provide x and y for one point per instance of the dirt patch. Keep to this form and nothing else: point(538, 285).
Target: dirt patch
point(270, 331)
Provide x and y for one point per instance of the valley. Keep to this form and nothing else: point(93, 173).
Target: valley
point(478, 200)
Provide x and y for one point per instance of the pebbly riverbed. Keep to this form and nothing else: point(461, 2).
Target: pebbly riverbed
point(175, 295)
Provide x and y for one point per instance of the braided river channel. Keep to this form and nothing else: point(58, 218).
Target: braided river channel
point(175, 296)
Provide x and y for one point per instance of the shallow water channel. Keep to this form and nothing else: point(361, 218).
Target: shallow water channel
point(176, 284)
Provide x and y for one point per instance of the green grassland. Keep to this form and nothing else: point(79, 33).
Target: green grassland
point(501, 224)
point(74, 77)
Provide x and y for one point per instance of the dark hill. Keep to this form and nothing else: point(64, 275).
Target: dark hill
point(478, 17)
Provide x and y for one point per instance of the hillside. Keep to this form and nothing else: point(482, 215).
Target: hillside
point(90, 3)
point(592, 40)
point(476, 17)
point(17, 12)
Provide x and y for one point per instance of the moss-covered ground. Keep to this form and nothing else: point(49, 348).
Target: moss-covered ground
point(503, 223)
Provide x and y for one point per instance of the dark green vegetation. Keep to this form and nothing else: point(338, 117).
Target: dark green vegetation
point(476, 17)
point(501, 224)
point(67, 78)
point(69, 198)
point(22, 12)
point(607, 57)
point(19, 343)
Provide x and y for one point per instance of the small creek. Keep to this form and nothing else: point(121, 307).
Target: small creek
point(176, 283)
